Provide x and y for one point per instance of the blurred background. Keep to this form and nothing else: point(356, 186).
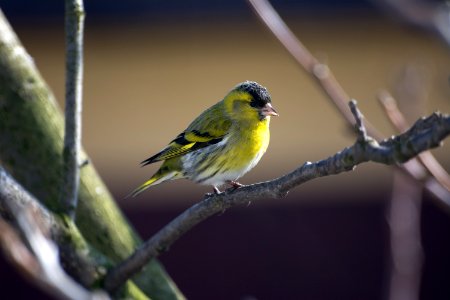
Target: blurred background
point(152, 66)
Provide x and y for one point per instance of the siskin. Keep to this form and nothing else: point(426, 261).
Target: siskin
point(222, 144)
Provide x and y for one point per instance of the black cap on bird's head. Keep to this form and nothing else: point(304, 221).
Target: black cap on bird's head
point(260, 97)
point(259, 93)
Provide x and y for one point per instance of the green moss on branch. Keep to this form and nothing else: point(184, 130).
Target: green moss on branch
point(31, 143)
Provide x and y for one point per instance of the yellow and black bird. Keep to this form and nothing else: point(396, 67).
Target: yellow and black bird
point(222, 144)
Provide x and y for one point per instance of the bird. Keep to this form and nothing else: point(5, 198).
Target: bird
point(221, 145)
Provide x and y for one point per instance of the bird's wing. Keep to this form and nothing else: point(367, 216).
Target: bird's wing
point(204, 131)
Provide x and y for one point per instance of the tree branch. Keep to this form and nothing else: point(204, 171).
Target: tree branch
point(406, 254)
point(74, 87)
point(427, 158)
point(425, 134)
point(83, 262)
point(32, 219)
point(322, 73)
point(41, 262)
point(31, 139)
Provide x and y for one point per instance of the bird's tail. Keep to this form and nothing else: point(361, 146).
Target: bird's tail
point(157, 178)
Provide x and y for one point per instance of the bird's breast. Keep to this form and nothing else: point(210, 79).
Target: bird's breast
point(250, 143)
point(235, 155)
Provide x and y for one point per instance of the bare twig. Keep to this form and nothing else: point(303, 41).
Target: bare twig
point(302, 56)
point(392, 111)
point(41, 262)
point(359, 125)
point(404, 211)
point(406, 249)
point(74, 83)
point(425, 134)
point(334, 90)
point(399, 121)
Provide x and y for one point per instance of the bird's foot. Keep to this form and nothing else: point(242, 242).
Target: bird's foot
point(235, 184)
point(215, 192)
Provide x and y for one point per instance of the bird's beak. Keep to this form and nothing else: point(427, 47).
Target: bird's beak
point(268, 110)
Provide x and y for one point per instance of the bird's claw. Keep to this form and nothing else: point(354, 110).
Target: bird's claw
point(235, 184)
point(215, 192)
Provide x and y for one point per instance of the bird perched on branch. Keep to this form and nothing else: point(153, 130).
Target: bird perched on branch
point(222, 144)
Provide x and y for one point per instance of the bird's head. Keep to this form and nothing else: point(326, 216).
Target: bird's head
point(249, 101)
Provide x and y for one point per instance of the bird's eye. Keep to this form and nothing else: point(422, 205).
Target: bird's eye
point(257, 103)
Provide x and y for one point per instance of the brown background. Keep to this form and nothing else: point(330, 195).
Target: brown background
point(145, 81)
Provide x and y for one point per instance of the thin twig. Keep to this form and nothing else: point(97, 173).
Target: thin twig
point(325, 77)
point(404, 212)
point(272, 20)
point(400, 123)
point(425, 134)
point(74, 84)
point(406, 249)
point(359, 125)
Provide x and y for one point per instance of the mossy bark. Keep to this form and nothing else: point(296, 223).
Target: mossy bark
point(31, 145)
point(83, 262)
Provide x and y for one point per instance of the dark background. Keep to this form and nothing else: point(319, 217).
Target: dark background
point(304, 252)
point(152, 66)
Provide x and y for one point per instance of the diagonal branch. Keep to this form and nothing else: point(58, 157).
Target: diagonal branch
point(427, 158)
point(425, 134)
point(74, 84)
point(334, 90)
point(321, 72)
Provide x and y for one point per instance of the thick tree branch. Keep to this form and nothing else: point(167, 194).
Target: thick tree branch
point(31, 146)
point(32, 219)
point(74, 88)
point(84, 263)
point(425, 134)
point(41, 261)
point(322, 73)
